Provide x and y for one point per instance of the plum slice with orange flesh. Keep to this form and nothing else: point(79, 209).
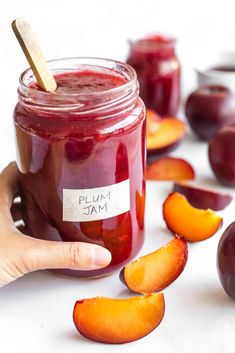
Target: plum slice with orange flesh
point(152, 121)
point(170, 168)
point(155, 271)
point(163, 135)
point(111, 320)
point(192, 223)
point(202, 197)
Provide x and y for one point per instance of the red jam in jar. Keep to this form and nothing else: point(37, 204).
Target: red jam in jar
point(81, 157)
point(158, 71)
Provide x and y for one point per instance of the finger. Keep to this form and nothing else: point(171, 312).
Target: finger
point(16, 212)
point(76, 255)
point(21, 228)
point(8, 185)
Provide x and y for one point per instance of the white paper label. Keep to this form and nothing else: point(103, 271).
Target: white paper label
point(80, 205)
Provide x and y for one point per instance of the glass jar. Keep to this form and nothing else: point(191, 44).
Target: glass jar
point(81, 157)
point(158, 71)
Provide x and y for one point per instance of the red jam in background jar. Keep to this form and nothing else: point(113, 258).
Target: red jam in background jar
point(158, 71)
point(81, 157)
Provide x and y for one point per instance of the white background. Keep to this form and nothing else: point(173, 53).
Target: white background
point(36, 311)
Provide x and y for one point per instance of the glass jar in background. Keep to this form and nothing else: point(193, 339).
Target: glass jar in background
point(81, 157)
point(158, 71)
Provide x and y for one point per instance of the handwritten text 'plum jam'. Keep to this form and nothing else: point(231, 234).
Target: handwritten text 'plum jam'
point(96, 203)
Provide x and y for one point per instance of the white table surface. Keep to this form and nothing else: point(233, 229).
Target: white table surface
point(36, 311)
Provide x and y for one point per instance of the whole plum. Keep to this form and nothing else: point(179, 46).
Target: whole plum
point(226, 260)
point(221, 153)
point(208, 109)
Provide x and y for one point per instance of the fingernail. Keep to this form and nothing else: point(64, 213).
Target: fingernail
point(102, 257)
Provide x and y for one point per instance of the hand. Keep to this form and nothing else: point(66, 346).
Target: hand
point(21, 254)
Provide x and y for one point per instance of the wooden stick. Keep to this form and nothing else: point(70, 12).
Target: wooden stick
point(34, 55)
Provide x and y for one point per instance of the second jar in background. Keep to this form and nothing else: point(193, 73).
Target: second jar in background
point(158, 70)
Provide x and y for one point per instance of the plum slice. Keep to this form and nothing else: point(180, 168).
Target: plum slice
point(192, 223)
point(155, 271)
point(163, 135)
point(111, 320)
point(201, 197)
point(170, 168)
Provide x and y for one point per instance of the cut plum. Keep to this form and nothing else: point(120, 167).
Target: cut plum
point(111, 320)
point(192, 223)
point(157, 270)
point(163, 135)
point(170, 168)
point(201, 197)
point(153, 121)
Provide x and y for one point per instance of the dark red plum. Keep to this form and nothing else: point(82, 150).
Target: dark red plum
point(222, 155)
point(201, 197)
point(226, 260)
point(210, 108)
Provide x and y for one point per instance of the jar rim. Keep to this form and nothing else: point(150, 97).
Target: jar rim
point(94, 62)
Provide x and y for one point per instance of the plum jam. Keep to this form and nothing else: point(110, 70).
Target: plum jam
point(158, 71)
point(81, 157)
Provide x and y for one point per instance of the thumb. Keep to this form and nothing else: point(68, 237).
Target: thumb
point(72, 255)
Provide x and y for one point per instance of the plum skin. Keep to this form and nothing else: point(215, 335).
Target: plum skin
point(208, 109)
point(202, 197)
point(226, 260)
point(221, 155)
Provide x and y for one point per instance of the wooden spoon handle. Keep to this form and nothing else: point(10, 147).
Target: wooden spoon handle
point(34, 55)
